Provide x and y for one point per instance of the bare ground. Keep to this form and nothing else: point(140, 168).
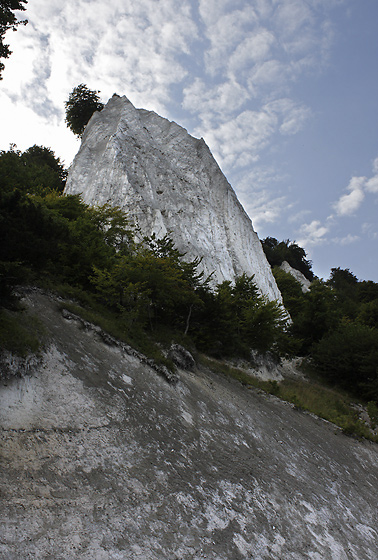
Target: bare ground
point(102, 459)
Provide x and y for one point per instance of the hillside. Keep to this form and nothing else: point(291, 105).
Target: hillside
point(102, 458)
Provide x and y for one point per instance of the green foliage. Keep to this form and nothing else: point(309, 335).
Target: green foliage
point(82, 103)
point(20, 333)
point(35, 171)
point(335, 324)
point(372, 410)
point(278, 252)
point(291, 291)
point(151, 283)
point(368, 313)
point(318, 316)
point(235, 318)
point(367, 291)
point(9, 21)
point(349, 357)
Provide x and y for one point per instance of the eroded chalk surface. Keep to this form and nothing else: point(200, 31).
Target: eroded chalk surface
point(102, 459)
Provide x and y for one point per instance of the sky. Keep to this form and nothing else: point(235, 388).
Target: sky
point(284, 92)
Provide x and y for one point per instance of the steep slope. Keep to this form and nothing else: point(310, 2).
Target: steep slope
point(103, 459)
point(168, 181)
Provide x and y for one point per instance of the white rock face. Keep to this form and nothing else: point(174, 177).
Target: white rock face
point(168, 182)
point(299, 277)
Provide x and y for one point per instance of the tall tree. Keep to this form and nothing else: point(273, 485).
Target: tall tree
point(278, 252)
point(8, 20)
point(81, 105)
point(35, 171)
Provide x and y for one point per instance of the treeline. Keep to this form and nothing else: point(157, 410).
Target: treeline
point(277, 252)
point(335, 325)
point(149, 288)
point(148, 285)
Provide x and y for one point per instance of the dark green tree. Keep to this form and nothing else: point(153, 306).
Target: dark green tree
point(81, 105)
point(277, 252)
point(345, 287)
point(348, 356)
point(36, 171)
point(152, 282)
point(8, 20)
point(319, 314)
point(236, 319)
point(291, 291)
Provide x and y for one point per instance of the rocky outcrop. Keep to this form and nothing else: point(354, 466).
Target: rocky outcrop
point(299, 277)
point(168, 182)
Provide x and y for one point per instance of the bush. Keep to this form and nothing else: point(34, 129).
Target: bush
point(349, 357)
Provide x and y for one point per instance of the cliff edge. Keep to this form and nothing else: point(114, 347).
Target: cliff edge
point(168, 182)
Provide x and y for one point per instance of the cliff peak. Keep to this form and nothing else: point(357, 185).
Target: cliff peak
point(168, 182)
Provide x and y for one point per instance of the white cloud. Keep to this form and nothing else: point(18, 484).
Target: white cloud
point(315, 232)
point(372, 184)
point(358, 187)
point(347, 240)
point(312, 234)
point(122, 43)
point(272, 74)
point(291, 16)
point(370, 230)
point(262, 207)
point(293, 116)
point(225, 32)
point(238, 141)
point(226, 98)
point(259, 199)
point(299, 216)
point(375, 166)
point(349, 203)
point(39, 130)
point(252, 49)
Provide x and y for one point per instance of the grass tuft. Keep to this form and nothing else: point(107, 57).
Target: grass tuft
point(327, 403)
point(20, 332)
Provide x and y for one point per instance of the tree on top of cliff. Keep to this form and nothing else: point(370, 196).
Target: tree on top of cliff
point(81, 105)
point(9, 21)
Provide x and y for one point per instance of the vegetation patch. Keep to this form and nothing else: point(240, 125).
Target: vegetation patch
point(331, 404)
point(20, 333)
point(113, 325)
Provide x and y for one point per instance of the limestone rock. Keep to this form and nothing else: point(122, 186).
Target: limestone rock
point(299, 277)
point(168, 182)
point(181, 357)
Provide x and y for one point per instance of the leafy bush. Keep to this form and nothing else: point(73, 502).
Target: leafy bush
point(235, 318)
point(20, 333)
point(372, 410)
point(349, 357)
point(35, 171)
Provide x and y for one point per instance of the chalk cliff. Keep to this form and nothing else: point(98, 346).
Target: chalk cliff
point(168, 182)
